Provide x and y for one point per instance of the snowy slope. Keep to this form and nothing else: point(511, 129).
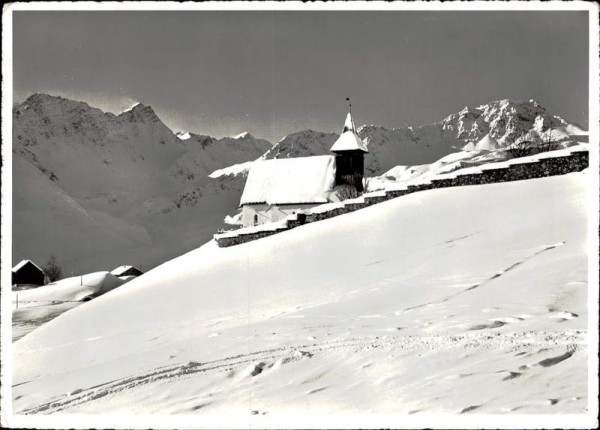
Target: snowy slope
point(383, 310)
point(450, 163)
point(32, 308)
point(99, 190)
point(206, 154)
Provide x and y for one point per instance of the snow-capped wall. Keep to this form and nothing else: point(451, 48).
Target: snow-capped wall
point(538, 166)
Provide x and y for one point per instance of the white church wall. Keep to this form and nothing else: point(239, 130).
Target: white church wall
point(263, 213)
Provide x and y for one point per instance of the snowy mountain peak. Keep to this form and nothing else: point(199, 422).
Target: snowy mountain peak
point(41, 98)
point(131, 107)
point(141, 112)
point(183, 135)
point(466, 110)
point(48, 105)
point(504, 120)
point(302, 144)
point(244, 135)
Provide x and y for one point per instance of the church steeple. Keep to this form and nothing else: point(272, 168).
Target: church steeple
point(349, 151)
point(349, 124)
point(349, 139)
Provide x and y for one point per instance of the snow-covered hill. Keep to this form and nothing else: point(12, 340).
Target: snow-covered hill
point(206, 154)
point(36, 306)
point(484, 312)
point(99, 190)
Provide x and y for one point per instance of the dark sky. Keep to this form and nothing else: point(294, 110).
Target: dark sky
point(272, 73)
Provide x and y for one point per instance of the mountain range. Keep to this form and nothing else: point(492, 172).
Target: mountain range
point(99, 190)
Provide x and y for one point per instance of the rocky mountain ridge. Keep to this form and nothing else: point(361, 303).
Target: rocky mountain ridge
point(504, 121)
point(100, 190)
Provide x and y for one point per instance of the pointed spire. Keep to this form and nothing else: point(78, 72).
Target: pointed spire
point(349, 139)
point(349, 124)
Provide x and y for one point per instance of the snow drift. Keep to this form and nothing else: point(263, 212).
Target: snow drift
point(384, 310)
point(37, 306)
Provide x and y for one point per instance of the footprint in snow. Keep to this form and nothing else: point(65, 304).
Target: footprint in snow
point(317, 390)
point(394, 329)
point(509, 320)
point(510, 375)
point(493, 324)
point(200, 406)
point(470, 408)
point(498, 322)
point(549, 362)
point(302, 354)
point(543, 402)
point(258, 369)
point(564, 316)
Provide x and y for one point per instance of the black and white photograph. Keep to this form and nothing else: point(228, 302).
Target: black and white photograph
point(300, 215)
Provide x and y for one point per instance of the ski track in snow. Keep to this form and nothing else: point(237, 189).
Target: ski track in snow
point(495, 276)
point(567, 341)
point(302, 339)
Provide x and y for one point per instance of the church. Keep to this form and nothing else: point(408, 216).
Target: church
point(281, 187)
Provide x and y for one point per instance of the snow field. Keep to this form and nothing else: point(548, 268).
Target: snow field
point(37, 306)
point(384, 310)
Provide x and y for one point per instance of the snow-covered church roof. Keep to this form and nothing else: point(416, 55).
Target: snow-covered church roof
point(349, 139)
point(290, 180)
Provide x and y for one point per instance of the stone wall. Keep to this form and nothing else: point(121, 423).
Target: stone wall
point(576, 161)
point(226, 241)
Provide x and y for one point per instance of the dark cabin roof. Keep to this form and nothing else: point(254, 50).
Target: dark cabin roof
point(24, 263)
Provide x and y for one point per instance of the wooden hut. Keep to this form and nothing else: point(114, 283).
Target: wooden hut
point(127, 271)
point(27, 273)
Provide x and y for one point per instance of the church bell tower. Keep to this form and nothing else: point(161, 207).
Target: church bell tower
point(349, 152)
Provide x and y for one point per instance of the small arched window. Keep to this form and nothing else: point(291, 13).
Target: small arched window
point(255, 219)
